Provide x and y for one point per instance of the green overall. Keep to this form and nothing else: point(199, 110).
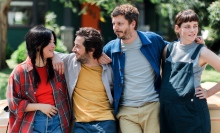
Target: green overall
point(180, 110)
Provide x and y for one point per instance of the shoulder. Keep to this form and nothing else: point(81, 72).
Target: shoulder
point(150, 35)
point(20, 68)
point(110, 44)
point(152, 38)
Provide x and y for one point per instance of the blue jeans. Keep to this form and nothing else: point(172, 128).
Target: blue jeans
point(108, 126)
point(44, 124)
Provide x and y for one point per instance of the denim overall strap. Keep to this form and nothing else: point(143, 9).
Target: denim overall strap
point(180, 110)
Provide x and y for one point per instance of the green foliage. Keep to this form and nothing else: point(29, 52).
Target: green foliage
point(210, 75)
point(20, 54)
point(214, 15)
point(4, 75)
point(106, 5)
point(8, 51)
point(207, 10)
point(50, 22)
point(60, 47)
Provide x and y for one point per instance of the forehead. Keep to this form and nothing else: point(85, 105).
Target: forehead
point(52, 37)
point(79, 40)
point(118, 18)
point(190, 23)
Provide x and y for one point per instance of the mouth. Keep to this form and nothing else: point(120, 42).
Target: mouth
point(51, 51)
point(118, 32)
point(192, 35)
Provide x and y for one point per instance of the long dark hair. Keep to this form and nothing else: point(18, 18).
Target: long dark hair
point(39, 36)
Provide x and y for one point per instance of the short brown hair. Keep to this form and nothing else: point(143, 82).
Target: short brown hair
point(130, 13)
point(187, 15)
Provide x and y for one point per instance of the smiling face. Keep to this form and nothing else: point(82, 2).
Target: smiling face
point(122, 28)
point(187, 31)
point(80, 50)
point(49, 49)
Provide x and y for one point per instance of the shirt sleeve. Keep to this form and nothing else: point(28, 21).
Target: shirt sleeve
point(16, 104)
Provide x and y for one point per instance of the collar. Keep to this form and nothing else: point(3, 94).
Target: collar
point(143, 37)
point(28, 63)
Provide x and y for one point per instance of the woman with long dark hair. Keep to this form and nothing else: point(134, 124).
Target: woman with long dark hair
point(37, 95)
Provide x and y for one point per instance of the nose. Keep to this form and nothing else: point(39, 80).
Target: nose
point(192, 29)
point(53, 45)
point(74, 49)
point(115, 27)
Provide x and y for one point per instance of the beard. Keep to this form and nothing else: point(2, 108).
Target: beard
point(83, 58)
point(125, 34)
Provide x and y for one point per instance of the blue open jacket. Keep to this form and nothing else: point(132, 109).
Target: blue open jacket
point(152, 48)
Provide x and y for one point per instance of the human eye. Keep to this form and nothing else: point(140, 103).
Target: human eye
point(77, 46)
point(195, 26)
point(187, 27)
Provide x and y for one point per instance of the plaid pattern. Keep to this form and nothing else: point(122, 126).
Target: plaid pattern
point(21, 92)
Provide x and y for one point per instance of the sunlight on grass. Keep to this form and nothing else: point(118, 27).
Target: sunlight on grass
point(4, 75)
point(210, 75)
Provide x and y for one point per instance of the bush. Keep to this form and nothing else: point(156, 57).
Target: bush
point(20, 54)
point(8, 51)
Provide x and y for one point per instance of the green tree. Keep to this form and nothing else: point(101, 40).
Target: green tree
point(106, 5)
point(4, 5)
point(169, 8)
point(214, 19)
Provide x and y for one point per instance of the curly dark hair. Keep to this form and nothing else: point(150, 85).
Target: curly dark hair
point(130, 13)
point(93, 39)
point(37, 38)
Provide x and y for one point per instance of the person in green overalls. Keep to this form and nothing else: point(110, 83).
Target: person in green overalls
point(183, 102)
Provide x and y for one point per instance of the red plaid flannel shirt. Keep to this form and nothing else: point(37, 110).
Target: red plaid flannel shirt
point(21, 92)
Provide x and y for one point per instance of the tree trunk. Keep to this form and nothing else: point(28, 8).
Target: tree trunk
point(4, 5)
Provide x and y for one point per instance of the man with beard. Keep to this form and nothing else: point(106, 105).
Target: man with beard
point(136, 58)
point(89, 84)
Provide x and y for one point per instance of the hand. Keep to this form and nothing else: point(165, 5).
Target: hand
point(201, 93)
point(104, 59)
point(48, 110)
point(199, 40)
point(58, 64)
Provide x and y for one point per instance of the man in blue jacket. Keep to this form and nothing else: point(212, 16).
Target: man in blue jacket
point(136, 58)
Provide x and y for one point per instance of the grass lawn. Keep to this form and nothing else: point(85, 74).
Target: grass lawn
point(4, 75)
point(209, 75)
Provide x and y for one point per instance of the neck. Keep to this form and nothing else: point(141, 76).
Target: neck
point(185, 42)
point(131, 39)
point(92, 63)
point(39, 62)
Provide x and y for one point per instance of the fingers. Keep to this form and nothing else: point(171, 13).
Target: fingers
point(201, 93)
point(52, 112)
point(104, 59)
point(59, 67)
point(200, 40)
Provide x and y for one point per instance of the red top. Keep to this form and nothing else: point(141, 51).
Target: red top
point(21, 92)
point(44, 92)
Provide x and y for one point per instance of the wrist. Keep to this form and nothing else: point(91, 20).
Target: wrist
point(38, 107)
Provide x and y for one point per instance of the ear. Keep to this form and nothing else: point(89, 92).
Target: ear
point(176, 28)
point(91, 52)
point(133, 23)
